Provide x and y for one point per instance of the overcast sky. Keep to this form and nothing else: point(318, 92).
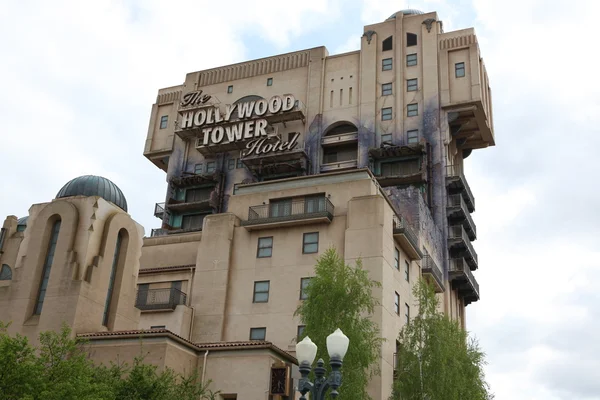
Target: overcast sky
point(77, 81)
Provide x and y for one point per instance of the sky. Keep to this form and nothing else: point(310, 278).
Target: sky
point(77, 81)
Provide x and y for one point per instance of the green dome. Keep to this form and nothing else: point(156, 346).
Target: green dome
point(409, 11)
point(91, 185)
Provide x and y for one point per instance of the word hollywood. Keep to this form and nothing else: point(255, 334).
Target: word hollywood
point(239, 122)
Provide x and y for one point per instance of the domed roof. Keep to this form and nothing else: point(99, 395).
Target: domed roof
point(91, 185)
point(408, 11)
point(22, 221)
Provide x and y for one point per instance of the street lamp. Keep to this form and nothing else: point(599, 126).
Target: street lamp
point(306, 351)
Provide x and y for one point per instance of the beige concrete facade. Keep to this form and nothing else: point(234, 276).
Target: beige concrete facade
point(361, 151)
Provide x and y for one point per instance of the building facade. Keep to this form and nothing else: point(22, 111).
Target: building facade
point(268, 163)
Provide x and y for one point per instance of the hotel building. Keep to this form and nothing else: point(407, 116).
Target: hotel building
point(268, 163)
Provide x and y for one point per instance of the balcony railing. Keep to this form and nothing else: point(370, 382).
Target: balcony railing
point(159, 210)
point(462, 277)
point(286, 212)
point(159, 232)
point(342, 138)
point(407, 237)
point(159, 299)
point(457, 183)
point(429, 267)
point(457, 236)
point(457, 206)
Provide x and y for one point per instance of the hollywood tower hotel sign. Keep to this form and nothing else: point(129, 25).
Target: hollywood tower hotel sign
point(240, 123)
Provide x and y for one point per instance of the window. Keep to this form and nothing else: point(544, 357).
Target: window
point(280, 208)
point(300, 332)
point(265, 247)
point(412, 85)
point(386, 114)
point(261, 292)
point(46, 269)
point(314, 204)
point(5, 273)
point(310, 243)
point(210, 167)
point(413, 136)
point(192, 222)
point(387, 44)
point(412, 110)
point(269, 81)
point(164, 121)
point(231, 164)
point(407, 271)
point(158, 327)
point(386, 64)
point(406, 313)
point(198, 168)
point(459, 69)
point(258, 333)
point(142, 294)
point(386, 138)
point(400, 168)
point(411, 60)
point(111, 282)
point(396, 258)
point(386, 89)
point(239, 163)
point(304, 282)
point(230, 89)
point(195, 195)
point(411, 39)
point(397, 303)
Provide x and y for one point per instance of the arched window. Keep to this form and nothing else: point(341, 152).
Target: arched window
point(5, 273)
point(114, 272)
point(339, 129)
point(340, 147)
point(46, 269)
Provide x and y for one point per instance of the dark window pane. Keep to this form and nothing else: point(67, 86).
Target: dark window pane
point(387, 44)
point(411, 39)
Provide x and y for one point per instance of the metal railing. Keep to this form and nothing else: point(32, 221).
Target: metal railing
point(159, 210)
point(159, 232)
point(457, 232)
point(428, 265)
point(460, 265)
point(290, 210)
point(401, 226)
point(159, 299)
point(456, 171)
point(456, 200)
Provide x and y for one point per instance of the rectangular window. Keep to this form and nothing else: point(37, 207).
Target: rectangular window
point(280, 208)
point(413, 136)
point(310, 243)
point(397, 303)
point(397, 259)
point(261, 292)
point(239, 163)
point(230, 89)
point(313, 204)
point(386, 113)
point(265, 247)
point(269, 81)
point(386, 64)
point(386, 138)
point(412, 85)
point(158, 327)
point(300, 332)
point(210, 167)
point(195, 195)
point(411, 60)
point(386, 89)
point(198, 168)
point(231, 164)
point(47, 267)
point(142, 294)
point(411, 39)
point(459, 69)
point(192, 222)
point(412, 110)
point(406, 313)
point(407, 271)
point(164, 121)
point(387, 44)
point(303, 285)
point(258, 333)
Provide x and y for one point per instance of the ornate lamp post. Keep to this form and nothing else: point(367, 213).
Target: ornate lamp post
point(306, 351)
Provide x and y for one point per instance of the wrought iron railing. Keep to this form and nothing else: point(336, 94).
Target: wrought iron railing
point(456, 200)
point(402, 226)
point(460, 265)
point(457, 232)
point(159, 232)
point(428, 265)
point(160, 299)
point(456, 171)
point(290, 210)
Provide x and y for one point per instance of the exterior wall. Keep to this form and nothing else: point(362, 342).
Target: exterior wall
point(166, 251)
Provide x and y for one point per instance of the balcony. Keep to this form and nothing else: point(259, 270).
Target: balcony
point(280, 213)
point(460, 245)
point(159, 232)
point(463, 280)
point(339, 166)
point(458, 213)
point(159, 299)
point(406, 237)
point(402, 172)
point(275, 163)
point(432, 273)
point(159, 210)
point(342, 138)
point(457, 183)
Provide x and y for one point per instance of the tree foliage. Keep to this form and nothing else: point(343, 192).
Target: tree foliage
point(436, 359)
point(340, 296)
point(59, 369)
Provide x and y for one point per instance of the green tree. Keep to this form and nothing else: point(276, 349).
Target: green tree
point(340, 296)
point(436, 359)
